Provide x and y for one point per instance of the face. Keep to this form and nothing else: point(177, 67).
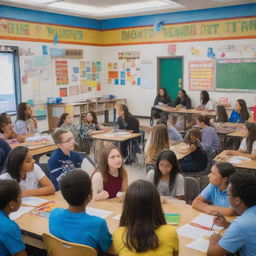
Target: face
point(28, 163)
point(15, 205)
point(200, 124)
point(114, 159)
point(89, 117)
point(28, 110)
point(161, 92)
point(238, 107)
point(234, 201)
point(69, 119)
point(215, 178)
point(180, 94)
point(68, 141)
point(120, 111)
point(193, 138)
point(165, 167)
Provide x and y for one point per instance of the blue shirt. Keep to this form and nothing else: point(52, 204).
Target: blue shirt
point(10, 236)
point(4, 151)
point(174, 134)
point(241, 234)
point(235, 117)
point(80, 228)
point(215, 196)
point(210, 139)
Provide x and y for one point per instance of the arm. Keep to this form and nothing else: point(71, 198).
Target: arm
point(214, 249)
point(241, 153)
point(97, 187)
point(188, 103)
point(124, 183)
point(207, 139)
point(156, 101)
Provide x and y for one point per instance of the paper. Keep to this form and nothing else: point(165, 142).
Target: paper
point(98, 212)
point(45, 209)
point(117, 217)
point(22, 210)
point(205, 221)
point(238, 159)
point(193, 232)
point(199, 244)
point(33, 201)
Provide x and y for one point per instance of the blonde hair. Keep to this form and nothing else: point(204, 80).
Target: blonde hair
point(159, 140)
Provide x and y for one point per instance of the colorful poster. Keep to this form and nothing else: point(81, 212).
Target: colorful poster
point(73, 90)
point(63, 92)
point(61, 70)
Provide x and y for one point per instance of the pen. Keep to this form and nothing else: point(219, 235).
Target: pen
point(216, 215)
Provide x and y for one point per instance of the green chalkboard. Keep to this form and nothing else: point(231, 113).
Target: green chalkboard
point(236, 74)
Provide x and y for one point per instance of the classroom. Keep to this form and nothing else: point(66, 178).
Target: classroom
point(131, 122)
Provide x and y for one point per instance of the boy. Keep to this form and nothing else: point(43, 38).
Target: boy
point(74, 224)
point(240, 234)
point(10, 234)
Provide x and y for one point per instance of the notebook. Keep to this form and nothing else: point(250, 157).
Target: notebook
point(172, 218)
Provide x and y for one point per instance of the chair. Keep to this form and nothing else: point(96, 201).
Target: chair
point(58, 247)
point(44, 167)
point(87, 165)
point(192, 189)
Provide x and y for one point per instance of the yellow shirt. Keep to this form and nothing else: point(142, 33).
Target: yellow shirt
point(168, 242)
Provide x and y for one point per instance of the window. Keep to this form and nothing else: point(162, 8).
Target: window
point(9, 79)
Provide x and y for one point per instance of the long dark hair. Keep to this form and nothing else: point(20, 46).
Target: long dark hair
point(204, 119)
point(15, 160)
point(222, 116)
point(126, 111)
point(225, 169)
point(204, 97)
point(165, 93)
point(3, 121)
point(172, 159)
point(21, 111)
point(94, 117)
point(142, 214)
point(244, 111)
point(62, 119)
point(184, 93)
point(251, 127)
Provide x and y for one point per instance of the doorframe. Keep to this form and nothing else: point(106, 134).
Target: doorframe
point(158, 69)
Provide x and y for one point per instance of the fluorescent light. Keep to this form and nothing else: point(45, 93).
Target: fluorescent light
point(32, 1)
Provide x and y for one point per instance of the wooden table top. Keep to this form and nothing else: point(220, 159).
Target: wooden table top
point(180, 150)
point(37, 225)
point(115, 136)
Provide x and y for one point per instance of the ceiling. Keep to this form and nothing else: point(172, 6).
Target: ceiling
point(105, 9)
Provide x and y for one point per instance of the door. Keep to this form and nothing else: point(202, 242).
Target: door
point(170, 75)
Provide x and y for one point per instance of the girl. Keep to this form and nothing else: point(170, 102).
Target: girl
point(167, 175)
point(25, 124)
point(21, 167)
point(112, 178)
point(216, 192)
point(92, 123)
point(210, 139)
point(221, 115)
point(159, 140)
point(248, 145)
point(143, 229)
point(183, 100)
point(240, 114)
point(206, 102)
point(196, 161)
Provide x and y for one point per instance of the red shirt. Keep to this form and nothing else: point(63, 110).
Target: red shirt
point(113, 185)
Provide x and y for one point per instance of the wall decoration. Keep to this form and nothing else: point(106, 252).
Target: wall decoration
point(172, 49)
point(63, 92)
point(61, 71)
point(73, 90)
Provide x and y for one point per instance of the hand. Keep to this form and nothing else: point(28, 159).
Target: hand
point(120, 196)
point(35, 122)
point(163, 199)
point(102, 195)
point(231, 152)
point(220, 220)
point(214, 239)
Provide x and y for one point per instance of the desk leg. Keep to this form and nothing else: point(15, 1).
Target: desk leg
point(185, 121)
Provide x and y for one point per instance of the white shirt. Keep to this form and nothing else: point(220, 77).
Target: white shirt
point(209, 105)
point(31, 181)
point(243, 146)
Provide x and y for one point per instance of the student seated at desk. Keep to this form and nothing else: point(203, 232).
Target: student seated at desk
point(74, 224)
point(92, 123)
point(143, 229)
point(248, 145)
point(206, 102)
point(182, 100)
point(10, 234)
point(166, 176)
point(196, 161)
point(6, 129)
point(21, 167)
point(221, 114)
point(216, 192)
point(5, 149)
point(111, 180)
point(240, 114)
point(25, 123)
point(241, 232)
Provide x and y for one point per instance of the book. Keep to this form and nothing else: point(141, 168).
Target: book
point(44, 209)
point(172, 218)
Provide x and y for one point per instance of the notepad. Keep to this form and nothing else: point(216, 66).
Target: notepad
point(33, 201)
point(205, 221)
point(172, 218)
point(199, 244)
point(193, 232)
point(98, 212)
point(22, 210)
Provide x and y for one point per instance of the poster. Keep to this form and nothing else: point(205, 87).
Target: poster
point(61, 70)
point(63, 92)
point(73, 90)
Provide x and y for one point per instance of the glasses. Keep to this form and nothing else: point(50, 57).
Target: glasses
point(68, 140)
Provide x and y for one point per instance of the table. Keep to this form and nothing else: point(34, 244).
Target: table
point(180, 150)
point(34, 226)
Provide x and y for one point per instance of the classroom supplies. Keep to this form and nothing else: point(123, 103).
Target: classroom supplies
point(205, 221)
point(45, 209)
point(98, 212)
point(193, 232)
point(22, 210)
point(199, 244)
point(172, 218)
point(238, 159)
point(33, 201)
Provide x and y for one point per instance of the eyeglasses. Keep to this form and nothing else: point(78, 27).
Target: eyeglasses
point(68, 140)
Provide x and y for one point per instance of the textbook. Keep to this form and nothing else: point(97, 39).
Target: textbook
point(172, 218)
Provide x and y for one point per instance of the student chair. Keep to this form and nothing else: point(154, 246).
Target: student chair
point(58, 247)
point(192, 189)
point(44, 167)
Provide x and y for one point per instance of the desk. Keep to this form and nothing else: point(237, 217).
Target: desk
point(180, 150)
point(34, 226)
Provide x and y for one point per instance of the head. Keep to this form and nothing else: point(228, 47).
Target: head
point(220, 173)
point(142, 214)
point(91, 118)
point(19, 160)
point(182, 94)
point(162, 120)
point(242, 191)
point(221, 114)
point(203, 121)
point(10, 196)
point(123, 111)
point(65, 118)
point(162, 92)
point(76, 187)
point(192, 136)
point(241, 107)
point(111, 159)
point(64, 139)
point(204, 97)
point(24, 111)
point(5, 122)
point(250, 134)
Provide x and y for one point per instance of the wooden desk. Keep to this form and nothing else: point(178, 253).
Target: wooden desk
point(115, 136)
point(34, 226)
point(179, 150)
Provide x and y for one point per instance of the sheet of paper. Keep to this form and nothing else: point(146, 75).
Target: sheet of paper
point(206, 221)
point(238, 159)
point(193, 232)
point(33, 201)
point(22, 210)
point(199, 244)
point(117, 217)
point(98, 212)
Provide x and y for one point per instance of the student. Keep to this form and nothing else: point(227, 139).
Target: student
point(240, 114)
point(112, 178)
point(10, 234)
point(92, 123)
point(5, 149)
point(25, 123)
point(6, 129)
point(76, 188)
point(240, 234)
point(167, 175)
point(159, 140)
point(182, 100)
point(21, 167)
point(210, 139)
point(206, 102)
point(248, 145)
point(221, 114)
point(196, 161)
point(216, 192)
point(143, 229)
point(163, 99)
